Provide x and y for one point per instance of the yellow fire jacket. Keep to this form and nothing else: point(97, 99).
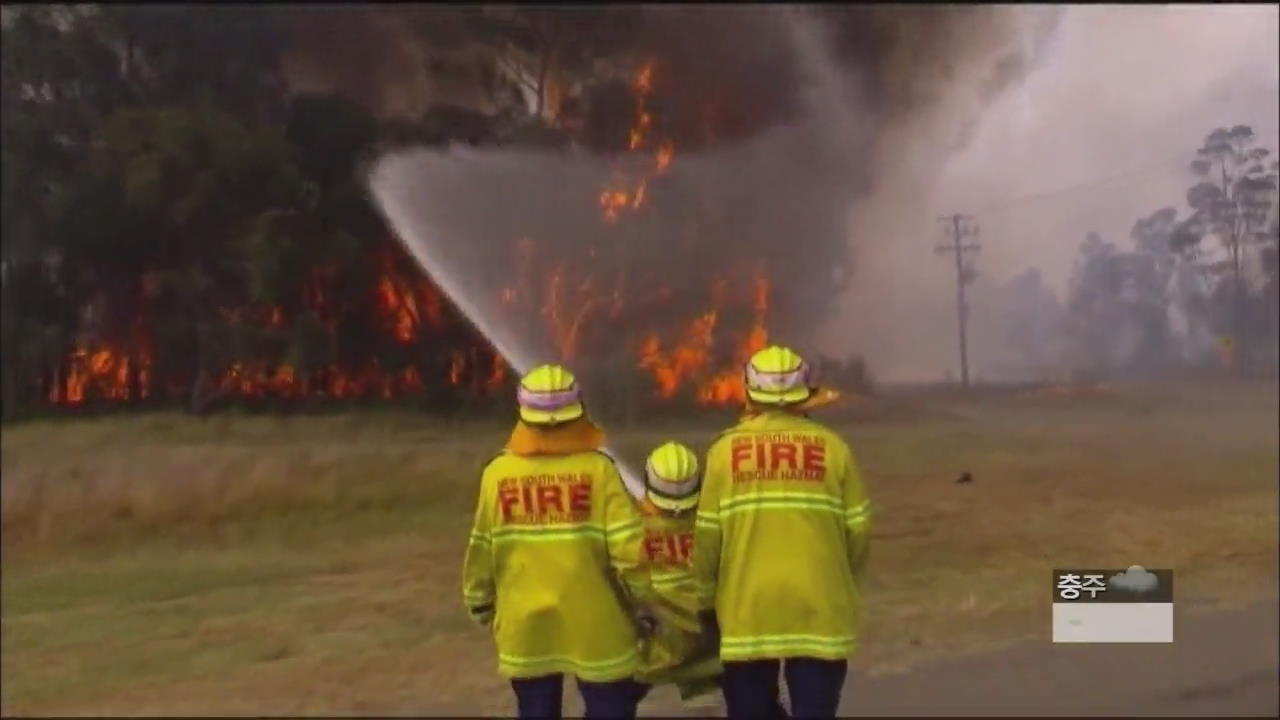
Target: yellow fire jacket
point(782, 529)
point(679, 651)
point(553, 536)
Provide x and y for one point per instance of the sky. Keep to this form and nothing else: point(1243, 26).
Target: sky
point(1098, 134)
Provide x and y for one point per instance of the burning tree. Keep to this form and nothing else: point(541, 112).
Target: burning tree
point(162, 246)
point(683, 355)
point(615, 262)
point(185, 217)
point(212, 255)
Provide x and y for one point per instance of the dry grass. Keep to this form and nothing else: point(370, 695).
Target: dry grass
point(163, 565)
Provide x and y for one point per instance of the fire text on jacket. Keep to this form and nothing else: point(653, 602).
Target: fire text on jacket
point(668, 548)
point(544, 499)
point(778, 456)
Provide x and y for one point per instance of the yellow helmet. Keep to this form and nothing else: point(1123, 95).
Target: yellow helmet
point(776, 375)
point(549, 395)
point(671, 477)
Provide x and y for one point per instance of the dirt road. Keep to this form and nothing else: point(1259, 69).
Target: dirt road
point(1221, 663)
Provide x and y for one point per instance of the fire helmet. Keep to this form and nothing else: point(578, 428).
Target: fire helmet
point(671, 477)
point(549, 395)
point(777, 375)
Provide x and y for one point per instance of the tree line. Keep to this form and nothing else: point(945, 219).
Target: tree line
point(1193, 291)
point(181, 227)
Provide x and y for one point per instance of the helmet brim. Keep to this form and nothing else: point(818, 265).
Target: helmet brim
point(820, 396)
point(779, 397)
point(568, 413)
point(800, 400)
point(672, 504)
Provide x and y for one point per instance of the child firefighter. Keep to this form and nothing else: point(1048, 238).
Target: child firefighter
point(678, 651)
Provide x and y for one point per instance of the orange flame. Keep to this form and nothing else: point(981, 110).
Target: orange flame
point(400, 306)
point(567, 312)
point(684, 361)
point(689, 361)
point(728, 386)
point(104, 372)
point(626, 195)
point(406, 306)
point(497, 375)
point(644, 80)
point(613, 202)
point(666, 152)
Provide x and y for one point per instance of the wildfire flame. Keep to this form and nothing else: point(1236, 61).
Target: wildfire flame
point(691, 358)
point(103, 372)
point(629, 194)
point(689, 361)
point(407, 307)
point(666, 152)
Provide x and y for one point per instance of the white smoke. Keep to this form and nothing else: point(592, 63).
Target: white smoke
point(1098, 134)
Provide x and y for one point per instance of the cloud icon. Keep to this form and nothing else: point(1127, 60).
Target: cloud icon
point(1136, 579)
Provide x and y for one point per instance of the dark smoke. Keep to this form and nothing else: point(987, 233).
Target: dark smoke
point(810, 104)
point(360, 52)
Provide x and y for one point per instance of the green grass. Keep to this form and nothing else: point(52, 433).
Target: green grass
point(254, 565)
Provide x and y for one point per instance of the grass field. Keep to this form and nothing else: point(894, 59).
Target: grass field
point(249, 565)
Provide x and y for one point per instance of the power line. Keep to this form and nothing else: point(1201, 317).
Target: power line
point(1147, 171)
point(1142, 171)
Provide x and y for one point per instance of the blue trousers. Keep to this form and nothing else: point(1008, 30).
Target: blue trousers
point(541, 697)
point(751, 688)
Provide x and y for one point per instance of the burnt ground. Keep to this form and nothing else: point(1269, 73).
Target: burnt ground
point(1221, 663)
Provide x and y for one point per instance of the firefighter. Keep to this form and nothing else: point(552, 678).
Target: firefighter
point(680, 652)
point(554, 562)
point(780, 542)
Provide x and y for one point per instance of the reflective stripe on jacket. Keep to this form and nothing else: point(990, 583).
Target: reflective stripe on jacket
point(781, 537)
point(552, 537)
point(678, 652)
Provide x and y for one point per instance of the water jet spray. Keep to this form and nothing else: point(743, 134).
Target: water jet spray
point(679, 262)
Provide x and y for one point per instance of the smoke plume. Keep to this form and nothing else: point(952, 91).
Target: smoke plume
point(746, 197)
point(1097, 133)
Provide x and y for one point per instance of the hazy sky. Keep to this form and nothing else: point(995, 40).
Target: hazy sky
point(1112, 117)
point(1098, 135)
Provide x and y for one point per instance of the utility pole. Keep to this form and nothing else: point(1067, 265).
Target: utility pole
point(958, 227)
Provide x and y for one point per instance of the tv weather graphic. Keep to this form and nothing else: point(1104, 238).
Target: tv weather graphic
point(1131, 605)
